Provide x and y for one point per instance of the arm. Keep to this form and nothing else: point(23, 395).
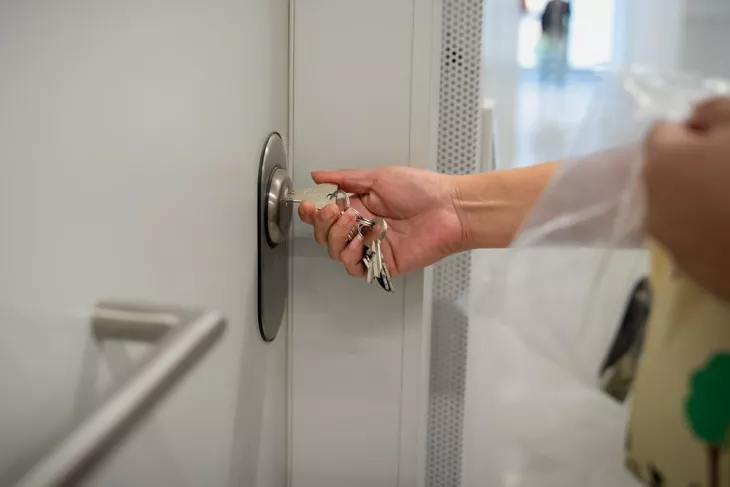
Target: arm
point(429, 215)
point(492, 206)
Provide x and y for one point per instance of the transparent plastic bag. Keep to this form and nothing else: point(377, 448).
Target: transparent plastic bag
point(544, 314)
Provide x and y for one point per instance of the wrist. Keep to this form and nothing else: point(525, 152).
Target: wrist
point(492, 206)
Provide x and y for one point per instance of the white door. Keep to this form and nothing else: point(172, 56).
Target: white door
point(130, 138)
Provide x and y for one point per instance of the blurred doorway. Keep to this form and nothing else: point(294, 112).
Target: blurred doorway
point(590, 34)
point(557, 78)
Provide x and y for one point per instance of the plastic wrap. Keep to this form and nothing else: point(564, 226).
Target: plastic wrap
point(544, 314)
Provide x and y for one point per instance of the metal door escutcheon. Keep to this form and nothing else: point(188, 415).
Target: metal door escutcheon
point(274, 215)
point(278, 211)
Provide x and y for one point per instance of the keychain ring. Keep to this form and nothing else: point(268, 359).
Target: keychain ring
point(342, 199)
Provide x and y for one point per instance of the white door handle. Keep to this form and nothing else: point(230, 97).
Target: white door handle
point(183, 335)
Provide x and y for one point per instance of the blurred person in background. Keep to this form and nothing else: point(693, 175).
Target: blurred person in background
point(553, 48)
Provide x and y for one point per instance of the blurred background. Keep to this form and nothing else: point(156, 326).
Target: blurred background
point(544, 59)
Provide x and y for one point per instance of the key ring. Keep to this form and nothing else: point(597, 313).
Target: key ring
point(356, 230)
point(342, 199)
point(360, 225)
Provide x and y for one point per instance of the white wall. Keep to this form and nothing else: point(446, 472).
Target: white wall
point(652, 31)
point(501, 72)
point(130, 137)
point(707, 36)
point(669, 35)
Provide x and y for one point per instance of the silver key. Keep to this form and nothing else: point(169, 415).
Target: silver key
point(371, 272)
point(367, 260)
point(361, 219)
point(380, 227)
point(321, 195)
point(352, 234)
point(378, 258)
point(368, 266)
point(373, 257)
point(382, 275)
point(384, 279)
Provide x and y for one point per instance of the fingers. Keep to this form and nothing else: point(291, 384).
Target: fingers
point(351, 257)
point(337, 237)
point(668, 140)
point(358, 181)
point(331, 229)
point(323, 221)
point(710, 114)
point(706, 116)
point(307, 212)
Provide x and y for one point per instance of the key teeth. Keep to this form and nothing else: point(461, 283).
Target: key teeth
point(386, 287)
point(384, 279)
point(372, 253)
point(371, 273)
point(351, 235)
point(385, 283)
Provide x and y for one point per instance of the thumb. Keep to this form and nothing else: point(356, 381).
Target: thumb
point(711, 114)
point(358, 181)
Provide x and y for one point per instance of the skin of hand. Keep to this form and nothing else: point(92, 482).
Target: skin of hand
point(687, 176)
point(429, 215)
point(423, 225)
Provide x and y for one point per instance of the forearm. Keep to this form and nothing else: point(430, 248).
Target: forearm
point(492, 206)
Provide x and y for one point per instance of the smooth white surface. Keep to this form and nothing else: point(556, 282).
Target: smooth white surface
point(130, 135)
point(364, 95)
point(707, 35)
point(487, 148)
point(651, 32)
point(501, 73)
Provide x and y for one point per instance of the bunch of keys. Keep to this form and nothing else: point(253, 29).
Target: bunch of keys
point(372, 231)
point(373, 255)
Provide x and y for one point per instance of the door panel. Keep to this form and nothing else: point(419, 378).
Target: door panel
point(361, 98)
point(130, 136)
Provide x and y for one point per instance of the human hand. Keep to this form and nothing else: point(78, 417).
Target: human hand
point(687, 175)
point(423, 224)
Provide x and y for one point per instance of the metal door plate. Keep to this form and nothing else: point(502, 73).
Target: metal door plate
point(274, 216)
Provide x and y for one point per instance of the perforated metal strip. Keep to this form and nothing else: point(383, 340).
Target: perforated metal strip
point(458, 139)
